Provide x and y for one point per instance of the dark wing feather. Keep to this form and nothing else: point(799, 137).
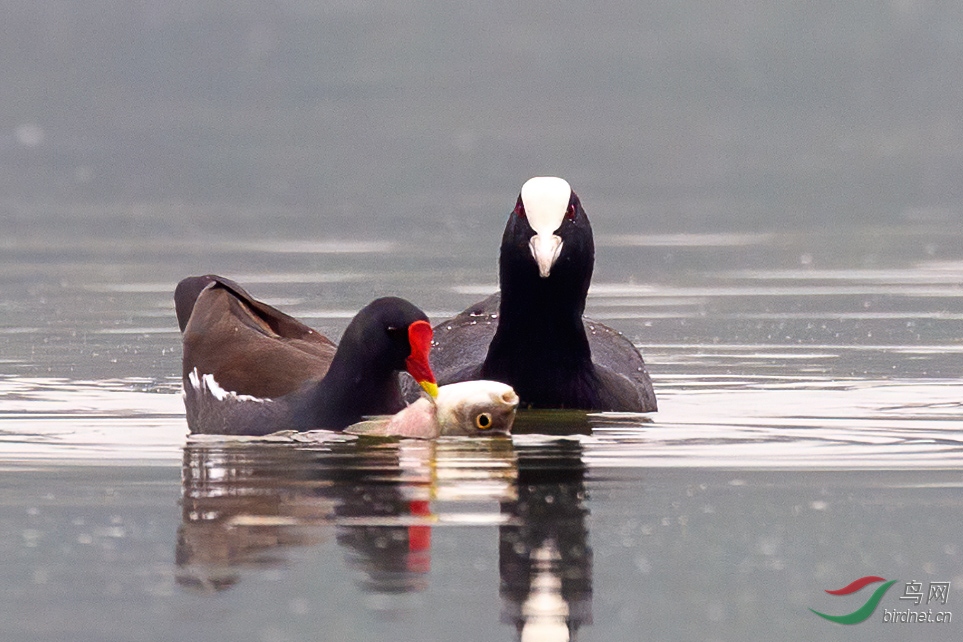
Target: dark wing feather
point(618, 362)
point(461, 343)
point(236, 338)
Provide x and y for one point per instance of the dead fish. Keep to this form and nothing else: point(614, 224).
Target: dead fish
point(467, 408)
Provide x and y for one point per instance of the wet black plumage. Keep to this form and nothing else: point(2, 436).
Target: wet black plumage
point(533, 336)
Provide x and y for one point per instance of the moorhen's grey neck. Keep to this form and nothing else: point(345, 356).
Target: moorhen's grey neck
point(250, 369)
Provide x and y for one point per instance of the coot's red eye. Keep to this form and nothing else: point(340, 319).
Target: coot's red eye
point(519, 208)
point(570, 212)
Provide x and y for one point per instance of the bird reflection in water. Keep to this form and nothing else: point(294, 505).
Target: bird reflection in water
point(244, 503)
point(545, 561)
point(241, 502)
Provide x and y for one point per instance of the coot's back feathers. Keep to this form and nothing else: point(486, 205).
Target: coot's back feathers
point(462, 342)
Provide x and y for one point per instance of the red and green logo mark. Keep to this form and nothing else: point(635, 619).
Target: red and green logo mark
point(863, 612)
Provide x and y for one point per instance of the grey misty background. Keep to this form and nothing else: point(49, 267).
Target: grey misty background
point(291, 118)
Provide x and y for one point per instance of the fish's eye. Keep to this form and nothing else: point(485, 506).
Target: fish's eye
point(483, 421)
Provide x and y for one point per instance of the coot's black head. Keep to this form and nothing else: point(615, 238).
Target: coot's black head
point(391, 334)
point(547, 237)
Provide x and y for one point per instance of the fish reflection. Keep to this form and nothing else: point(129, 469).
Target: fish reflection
point(242, 503)
point(545, 561)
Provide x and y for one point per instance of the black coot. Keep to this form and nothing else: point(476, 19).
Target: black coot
point(532, 335)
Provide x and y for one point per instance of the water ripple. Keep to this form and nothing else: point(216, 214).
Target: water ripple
point(721, 421)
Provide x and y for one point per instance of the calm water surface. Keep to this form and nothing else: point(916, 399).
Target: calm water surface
point(776, 192)
point(810, 432)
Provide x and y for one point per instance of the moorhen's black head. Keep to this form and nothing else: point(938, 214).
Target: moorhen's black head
point(391, 334)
